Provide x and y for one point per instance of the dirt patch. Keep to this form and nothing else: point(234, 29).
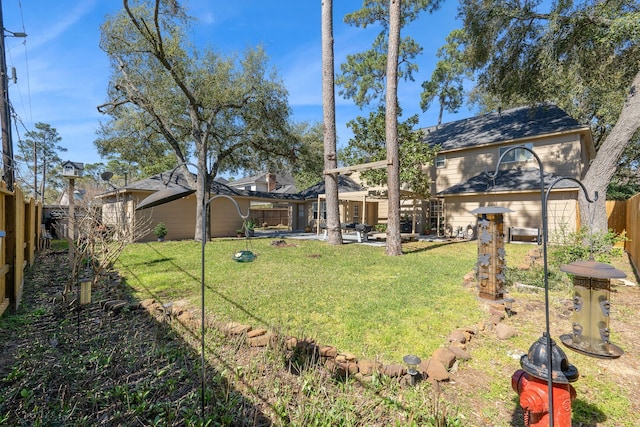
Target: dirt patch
point(282, 244)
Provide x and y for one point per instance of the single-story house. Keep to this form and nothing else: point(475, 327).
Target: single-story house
point(119, 206)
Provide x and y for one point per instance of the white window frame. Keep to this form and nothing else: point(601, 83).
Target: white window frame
point(323, 207)
point(440, 161)
point(517, 155)
point(356, 213)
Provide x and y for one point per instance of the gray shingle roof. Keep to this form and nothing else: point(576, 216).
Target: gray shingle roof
point(495, 127)
point(161, 181)
point(345, 185)
point(515, 179)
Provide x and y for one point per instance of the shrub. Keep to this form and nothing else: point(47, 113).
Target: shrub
point(565, 248)
point(160, 230)
point(580, 245)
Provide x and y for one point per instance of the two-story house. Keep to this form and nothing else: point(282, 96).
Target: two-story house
point(471, 147)
point(468, 149)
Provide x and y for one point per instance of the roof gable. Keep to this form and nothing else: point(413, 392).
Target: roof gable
point(513, 124)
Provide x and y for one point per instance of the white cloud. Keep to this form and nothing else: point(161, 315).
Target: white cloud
point(66, 19)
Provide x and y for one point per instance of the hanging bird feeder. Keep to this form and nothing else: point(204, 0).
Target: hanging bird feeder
point(591, 307)
point(245, 255)
point(491, 254)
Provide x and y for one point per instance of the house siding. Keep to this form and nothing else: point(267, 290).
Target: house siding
point(560, 155)
point(526, 207)
point(180, 217)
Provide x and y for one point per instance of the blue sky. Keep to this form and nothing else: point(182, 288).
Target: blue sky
point(63, 75)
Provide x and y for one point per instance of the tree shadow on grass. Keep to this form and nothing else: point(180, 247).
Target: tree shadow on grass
point(131, 271)
point(409, 248)
point(95, 366)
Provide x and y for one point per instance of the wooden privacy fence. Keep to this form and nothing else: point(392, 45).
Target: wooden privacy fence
point(624, 216)
point(632, 246)
point(272, 216)
point(20, 234)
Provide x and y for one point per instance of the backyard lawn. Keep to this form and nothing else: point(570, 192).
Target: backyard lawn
point(378, 307)
point(95, 366)
point(352, 296)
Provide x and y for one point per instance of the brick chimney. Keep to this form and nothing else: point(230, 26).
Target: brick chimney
point(271, 182)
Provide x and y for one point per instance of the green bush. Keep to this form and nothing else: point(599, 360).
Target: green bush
point(160, 230)
point(582, 244)
point(564, 248)
point(250, 223)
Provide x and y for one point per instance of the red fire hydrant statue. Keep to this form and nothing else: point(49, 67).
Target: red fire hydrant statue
point(531, 384)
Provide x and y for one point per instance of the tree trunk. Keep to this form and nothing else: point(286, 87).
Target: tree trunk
point(202, 196)
point(604, 165)
point(394, 243)
point(334, 235)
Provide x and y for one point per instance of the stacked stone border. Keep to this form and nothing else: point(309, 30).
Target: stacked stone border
point(437, 368)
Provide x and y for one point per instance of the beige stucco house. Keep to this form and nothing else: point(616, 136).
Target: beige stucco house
point(119, 207)
point(469, 148)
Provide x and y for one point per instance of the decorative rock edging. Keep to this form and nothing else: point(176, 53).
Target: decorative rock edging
point(436, 368)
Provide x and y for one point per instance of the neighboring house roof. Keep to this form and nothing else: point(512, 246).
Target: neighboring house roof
point(507, 180)
point(286, 189)
point(514, 124)
point(161, 182)
point(284, 183)
point(345, 185)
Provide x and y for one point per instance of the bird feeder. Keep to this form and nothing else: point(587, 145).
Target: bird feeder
point(591, 307)
point(491, 255)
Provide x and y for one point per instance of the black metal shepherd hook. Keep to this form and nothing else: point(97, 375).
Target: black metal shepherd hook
point(544, 198)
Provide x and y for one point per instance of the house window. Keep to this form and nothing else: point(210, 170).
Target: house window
point(356, 214)
point(323, 207)
point(517, 155)
point(440, 161)
point(435, 222)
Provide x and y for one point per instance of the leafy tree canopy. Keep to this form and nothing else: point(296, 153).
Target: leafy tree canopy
point(40, 151)
point(363, 75)
point(230, 113)
point(308, 166)
point(447, 80)
point(367, 145)
point(584, 57)
point(167, 97)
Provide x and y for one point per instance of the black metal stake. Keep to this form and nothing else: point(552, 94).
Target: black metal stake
point(544, 198)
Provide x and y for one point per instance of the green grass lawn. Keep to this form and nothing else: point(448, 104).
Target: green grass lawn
point(377, 307)
point(351, 296)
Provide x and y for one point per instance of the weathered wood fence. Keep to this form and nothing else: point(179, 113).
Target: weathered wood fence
point(625, 216)
point(632, 227)
point(19, 238)
point(272, 217)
